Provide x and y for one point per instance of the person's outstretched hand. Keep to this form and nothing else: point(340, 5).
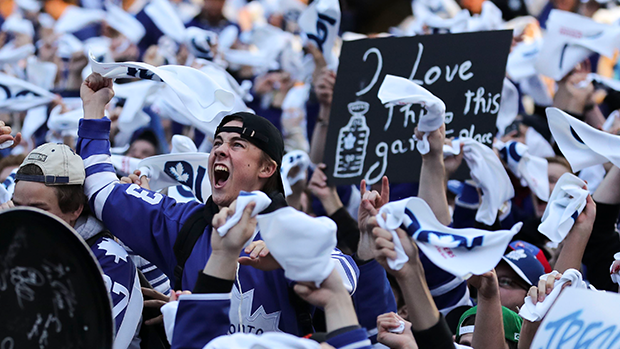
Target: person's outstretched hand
point(259, 257)
point(369, 207)
point(392, 321)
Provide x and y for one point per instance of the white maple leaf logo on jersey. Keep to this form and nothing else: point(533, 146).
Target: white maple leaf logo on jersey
point(179, 172)
point(112, 248)
point(251, 322)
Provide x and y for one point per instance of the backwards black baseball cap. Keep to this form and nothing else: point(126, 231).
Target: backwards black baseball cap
point(260, 132)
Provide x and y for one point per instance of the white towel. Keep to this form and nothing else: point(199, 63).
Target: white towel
point(11, 54)
point(570, 38)
point(124, 22)
point(490, 176)
point(532, 170)
point(166, 19)
point(611, 83)
point(458, 251)
point(182, 144)
point(522, 59)
point(301, 244)
point(189, 169)
point(615, 277)
point(4, 194)
point(68, 121)
point(508, 108)
point(262, 202)
point(490, 18)
point(20, 95)
point(74, 18)
point(200, 41)
point(320, 23)
point(295, 158)
point(582, 145)
point(135, 95)
point(16, 24)
point(68, 44)
point(399, 90)
point(565, 204)
point(271, 340)
point(35, 118)
point(125, 165)
point(42, 74)
point(533, 313)
point(203, 98)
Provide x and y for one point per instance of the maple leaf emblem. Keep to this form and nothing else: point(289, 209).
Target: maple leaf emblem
point(112, 248)
point(179, 172)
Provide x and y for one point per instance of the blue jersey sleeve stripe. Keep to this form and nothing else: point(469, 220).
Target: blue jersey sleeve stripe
point(95, 129)
point(97, 168)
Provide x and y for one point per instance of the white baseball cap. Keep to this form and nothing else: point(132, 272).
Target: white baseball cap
point(59, 163)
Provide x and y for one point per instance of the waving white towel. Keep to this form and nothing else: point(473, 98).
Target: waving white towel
point(11, 54)
point(262, 202)
point(490, 176)
point(272, 340)
point(203, 98)
point(135, 95)
point(457, 251)
point(295, 158)
point(320, 23)
point(20, 95)
point(532, 170)
point(399, 90)
point(535, 312)
point(565, 204)
point(509, 106)
point(301, 244)
point(582, 145)
point(570, 38)
point(189, 169)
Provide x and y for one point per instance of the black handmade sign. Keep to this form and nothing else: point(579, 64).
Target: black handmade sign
point(367, 139)
point(52, 294)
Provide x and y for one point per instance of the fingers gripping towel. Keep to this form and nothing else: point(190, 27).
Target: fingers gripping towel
point(490, 176)
point(458, 251)
point(565, 204)
point(582, 145)
point(399, 90)
point(294, 159)
point(300, 243)
point(189, 169)
point(203, 98)
point(532, 170)
point(262, 202)
point(535, 312)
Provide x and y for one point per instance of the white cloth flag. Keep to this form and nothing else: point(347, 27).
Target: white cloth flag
point(399, 90)
point(271, 340)
point(320, 22)
point(565, 204)
point(203, 98)
point(530, 169)
point(189, 169)
point(301, 244)
point(262, 202)
point(508, 107)
point(19, 95)
point(458, 251)
point(135, 95)
point(489, 174)
point(615, 277)
point(294, 159)
point(570, 38)
point(536, 312)
point(582, 145)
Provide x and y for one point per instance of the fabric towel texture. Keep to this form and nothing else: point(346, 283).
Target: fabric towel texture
point(565, 204)
point(458, 251)
point(535, 312)
point(301, 244)
point(262, 202)
point(530, 169)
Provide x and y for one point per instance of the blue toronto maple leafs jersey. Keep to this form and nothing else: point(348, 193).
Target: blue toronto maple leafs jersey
point(149, 222)
point(121, 279)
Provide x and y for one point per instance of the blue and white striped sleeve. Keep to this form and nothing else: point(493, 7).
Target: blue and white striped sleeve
point(146, 221)
point(348, 270)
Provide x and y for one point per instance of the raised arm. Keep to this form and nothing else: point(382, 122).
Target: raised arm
point(433, 178)
point(489, 323)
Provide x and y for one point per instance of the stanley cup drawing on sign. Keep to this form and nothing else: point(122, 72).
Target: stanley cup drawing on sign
point(352, 142)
